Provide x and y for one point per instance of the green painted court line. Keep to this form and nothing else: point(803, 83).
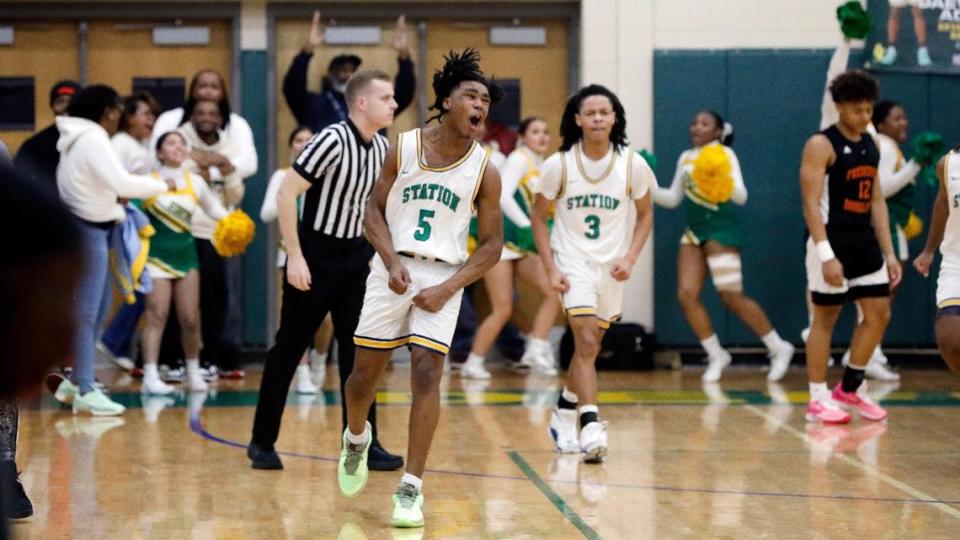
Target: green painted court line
point(520, 398)
point(553, 497)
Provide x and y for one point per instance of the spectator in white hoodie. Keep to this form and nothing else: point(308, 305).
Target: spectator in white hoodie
point(91, 182)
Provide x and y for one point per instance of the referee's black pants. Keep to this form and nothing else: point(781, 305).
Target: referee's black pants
point(338, 271)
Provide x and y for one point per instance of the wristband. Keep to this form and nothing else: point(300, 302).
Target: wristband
point(824, 251)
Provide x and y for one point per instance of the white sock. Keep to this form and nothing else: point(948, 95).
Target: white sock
point(193, 366)
point(475, 359)
point(772, 341)
point(538, 344)
point(150, 372)
point(568, 395)
point(589, 408)
point(303, 371)
point(357, 439)
point(414, 481)
point(713, 347)
point(818, 390)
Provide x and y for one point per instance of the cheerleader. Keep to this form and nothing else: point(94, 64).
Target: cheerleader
point(518, 175)
point(173, 263)
point(709, 183)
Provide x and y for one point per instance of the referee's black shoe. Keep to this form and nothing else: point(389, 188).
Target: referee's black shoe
point(16, 504)
point(378, 459)
point(263, 458)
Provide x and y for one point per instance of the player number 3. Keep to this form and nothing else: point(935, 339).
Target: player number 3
point(593, 227)
point(422, 234)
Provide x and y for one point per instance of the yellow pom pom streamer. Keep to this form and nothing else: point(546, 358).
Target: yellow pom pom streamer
point(233, 234)
point(914, 227)
point(712, 178)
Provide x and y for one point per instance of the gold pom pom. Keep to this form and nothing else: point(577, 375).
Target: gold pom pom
point(711, 175)
point(914, 227)
point(233, 234)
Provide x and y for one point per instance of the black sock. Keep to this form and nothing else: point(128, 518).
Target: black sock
point(563, 403)
point(587, 417)
point(852, 378)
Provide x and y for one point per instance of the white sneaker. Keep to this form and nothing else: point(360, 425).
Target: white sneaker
point(543, 362)
point(97, 404)
point(715, 367)
point(196, 381)
point(474, 370)
point(210, 373)
point(304, 384)
point(780, 362)
point(563, 431)
point(177, 374)
point(122, 362)
point(878, 369)
point(593, 442)
point(155, 387)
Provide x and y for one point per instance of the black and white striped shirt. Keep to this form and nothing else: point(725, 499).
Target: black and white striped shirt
point(342, 168)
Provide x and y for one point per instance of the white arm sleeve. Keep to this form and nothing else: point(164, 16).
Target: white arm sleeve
point(268, 212)
point(838, 64)
point(105, 164)
point(209, 201)
point(642, 178)
point(891, 180)
point(510, 175)
point(244, 157)
point(672, 196)
point(551, 176)
point(739, 188)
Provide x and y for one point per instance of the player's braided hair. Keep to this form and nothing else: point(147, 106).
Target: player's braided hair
point(457, 68)
point(572, 133)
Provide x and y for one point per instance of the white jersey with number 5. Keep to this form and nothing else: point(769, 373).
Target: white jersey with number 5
point(595, 201)
point(950, 247)
point(428, 209)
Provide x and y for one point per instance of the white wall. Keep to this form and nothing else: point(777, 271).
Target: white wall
point(731, 24)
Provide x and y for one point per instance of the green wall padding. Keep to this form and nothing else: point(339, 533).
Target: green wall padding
point(257, 261)
point(773, 97)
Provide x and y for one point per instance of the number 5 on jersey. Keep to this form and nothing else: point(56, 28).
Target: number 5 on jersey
point(593, 224)
point(423, 231)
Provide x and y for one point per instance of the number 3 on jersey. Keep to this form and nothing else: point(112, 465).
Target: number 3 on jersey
point(593, 226)
point(423, 231)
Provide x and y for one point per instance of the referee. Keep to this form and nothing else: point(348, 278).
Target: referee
point(328, 258)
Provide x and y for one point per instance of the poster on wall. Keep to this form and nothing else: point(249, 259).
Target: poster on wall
point(921, 36)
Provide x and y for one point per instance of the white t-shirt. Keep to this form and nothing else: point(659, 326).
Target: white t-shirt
point(238, 131)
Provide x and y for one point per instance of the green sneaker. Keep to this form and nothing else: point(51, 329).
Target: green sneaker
point(407, 507)
point(352, 470)
point(66, 392)
point(97, 404)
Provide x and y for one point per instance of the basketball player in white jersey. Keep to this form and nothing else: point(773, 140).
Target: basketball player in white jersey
point(417, 219)
point(599, 185)
point(945, 233)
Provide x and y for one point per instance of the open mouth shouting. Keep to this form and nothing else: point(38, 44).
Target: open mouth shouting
point(476, 121)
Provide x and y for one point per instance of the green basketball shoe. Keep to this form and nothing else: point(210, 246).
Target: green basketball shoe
point(352, 470)
point(407, 507)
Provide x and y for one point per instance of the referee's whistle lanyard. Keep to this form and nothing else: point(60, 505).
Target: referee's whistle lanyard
point(335, 103)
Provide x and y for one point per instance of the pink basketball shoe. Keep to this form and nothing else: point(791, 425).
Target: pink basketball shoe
point(860, 402)
point(827, 411)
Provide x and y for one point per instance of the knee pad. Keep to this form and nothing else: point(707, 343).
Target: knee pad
point(725, 271)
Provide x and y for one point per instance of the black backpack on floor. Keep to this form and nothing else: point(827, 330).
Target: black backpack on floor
point(626, 346)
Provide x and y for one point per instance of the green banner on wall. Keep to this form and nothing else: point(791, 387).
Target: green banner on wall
point(920, 36)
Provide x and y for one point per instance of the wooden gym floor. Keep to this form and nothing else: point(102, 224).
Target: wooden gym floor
point(735, 460)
